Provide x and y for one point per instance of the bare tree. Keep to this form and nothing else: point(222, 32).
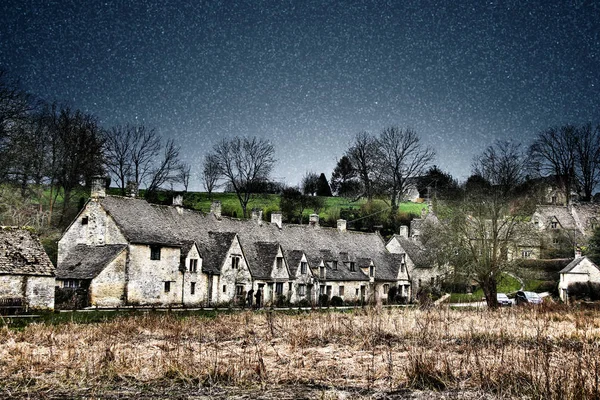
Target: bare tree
point(402, 157)
point(210, 174)
point(502, 165)
point(485, 225)
point(119, 144)
point(145, 147)
point(588, 159)
point(364, 154)
point(246, 164)
point(184, 173)
point(554, 152)
point(166, 172)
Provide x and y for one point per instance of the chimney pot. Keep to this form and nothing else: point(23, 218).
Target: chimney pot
point(98, 187)
point(215, 209)
point(276, 219)
point(341, 225)
point(404, 231)
point(314, 220)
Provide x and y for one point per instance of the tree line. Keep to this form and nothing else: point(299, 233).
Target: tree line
point(51, 151)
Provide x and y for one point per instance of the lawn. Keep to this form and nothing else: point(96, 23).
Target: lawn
point(268, 203)
point(507, 284)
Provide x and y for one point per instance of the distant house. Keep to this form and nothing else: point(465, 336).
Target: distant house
point(26, 272)
point(581, 269)
point(125, 251)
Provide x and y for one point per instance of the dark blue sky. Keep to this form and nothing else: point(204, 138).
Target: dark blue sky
point(309, 75)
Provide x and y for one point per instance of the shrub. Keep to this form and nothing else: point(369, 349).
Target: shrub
point(324, 300)
point(336, 301)
point(584, 291)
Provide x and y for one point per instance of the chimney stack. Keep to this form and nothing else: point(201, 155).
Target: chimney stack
point(257, 215)
point(98, 187)
point(313, 220)
point(276, 219)
point(341, 225)
point(215, 209)
point(577, 252)
point(404, 231)
point(178, 203)
point(131, 189)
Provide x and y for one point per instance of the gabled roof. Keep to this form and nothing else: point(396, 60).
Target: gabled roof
point(575, 263)
point(142, 222)
point(293, 258)
point(415, 251)
point(215, 249)
point(561, 214)
point(261, 256)
point(86, 262)
point(21, 253)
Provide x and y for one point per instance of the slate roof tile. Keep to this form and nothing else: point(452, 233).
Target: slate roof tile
point(86, 262)
point(21, 253)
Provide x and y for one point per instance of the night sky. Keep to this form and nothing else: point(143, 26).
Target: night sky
point(309, 75)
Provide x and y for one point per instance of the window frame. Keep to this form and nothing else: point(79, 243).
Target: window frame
point(155, 251)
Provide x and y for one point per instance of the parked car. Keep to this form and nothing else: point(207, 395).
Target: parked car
point(503, 300)
point(523, 297)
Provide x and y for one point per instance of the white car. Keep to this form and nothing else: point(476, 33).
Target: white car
point(503, 300)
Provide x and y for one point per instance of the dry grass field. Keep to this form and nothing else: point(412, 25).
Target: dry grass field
point(543, 353)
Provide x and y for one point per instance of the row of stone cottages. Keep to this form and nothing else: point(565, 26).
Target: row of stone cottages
point(125, 251)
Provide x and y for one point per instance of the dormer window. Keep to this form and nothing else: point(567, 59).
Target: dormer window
point(303, 266)
point(334, 265)
point(84, 220)
point(352, 266)
point(554, 225)
point(279, 262)
point(235, 262)
point(155, 252)
point(371, 271)
point(322, 272)
point(193, 265)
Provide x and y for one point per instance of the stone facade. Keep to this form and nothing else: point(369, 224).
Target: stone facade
point(581, 269)
point(26, 272)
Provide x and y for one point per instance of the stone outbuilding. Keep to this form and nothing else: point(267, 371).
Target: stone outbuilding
point(26, 272)
point(581, 269)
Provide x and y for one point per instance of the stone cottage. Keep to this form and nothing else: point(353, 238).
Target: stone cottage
point(581, 269)
point(125, 251)
point(26, 272)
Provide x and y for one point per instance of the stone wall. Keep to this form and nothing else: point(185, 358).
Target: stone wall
point(108, 288)
point(36, 291)
point(231, 277)
point(146, 283)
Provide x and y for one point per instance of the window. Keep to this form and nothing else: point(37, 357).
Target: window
point(432, 281)
point(289, 286)
point(224, 288)
point(193, 265)
point(167, 286)
point(155, 252)
point(334, 265)
point(371, 271)
point(84, 220)
point(239, 290)
point(235, 262)
point(279, 288)
point(554, 225)
point(303, 268)
point(341, 291)
point(352, 266)
point(279, 262)
point(386, 288)
point(526, 253)
point(193, 288)
point(71, 283)
point(402, 267)
point(328, 290)
point(322, 272)
point(301, 290)
point(356, 292)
